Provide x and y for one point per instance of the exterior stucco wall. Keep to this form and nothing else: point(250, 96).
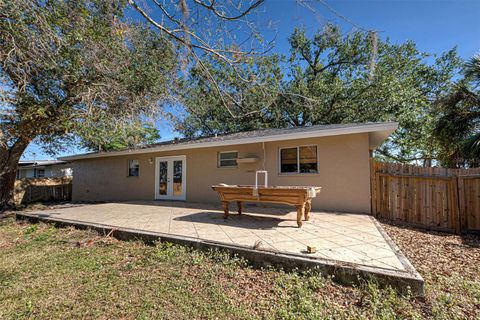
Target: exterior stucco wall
point(343, 173)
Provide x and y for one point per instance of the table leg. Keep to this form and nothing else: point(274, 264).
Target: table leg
point(308, 207)
point(225, 209)
point(240, 207)
point(300, 213)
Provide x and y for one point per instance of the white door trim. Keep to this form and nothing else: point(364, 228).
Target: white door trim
point(169, 195)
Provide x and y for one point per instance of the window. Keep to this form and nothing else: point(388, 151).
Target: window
point(227, 159)
point(289, 160)
point(39, 173)
point(299, 160)
point(133, 168)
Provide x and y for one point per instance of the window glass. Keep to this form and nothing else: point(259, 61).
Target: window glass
point(227, 159)
point(40, 173)
point(177, 177)
point(133, 168)
point(299, 160)
point(163, 178)
point(308, 159)
point(288, 160)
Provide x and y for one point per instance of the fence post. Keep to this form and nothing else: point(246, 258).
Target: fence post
point(456, 205)
point(462, 214)
point(378, 195)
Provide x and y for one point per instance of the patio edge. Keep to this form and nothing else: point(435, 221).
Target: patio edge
point(342, 272)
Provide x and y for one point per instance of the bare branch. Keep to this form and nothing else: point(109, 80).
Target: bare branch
point(221, 15)
point(180, 28)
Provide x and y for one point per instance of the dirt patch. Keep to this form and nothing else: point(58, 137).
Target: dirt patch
point(441, 253)
point(450, 265)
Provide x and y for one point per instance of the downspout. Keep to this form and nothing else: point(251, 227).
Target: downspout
point(264, 154)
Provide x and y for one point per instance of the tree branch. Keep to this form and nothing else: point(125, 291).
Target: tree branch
point(212, 8)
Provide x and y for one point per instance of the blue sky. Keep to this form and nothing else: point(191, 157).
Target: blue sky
point(436, 26)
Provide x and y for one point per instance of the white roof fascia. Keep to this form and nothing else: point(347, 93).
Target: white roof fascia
point(387, 128)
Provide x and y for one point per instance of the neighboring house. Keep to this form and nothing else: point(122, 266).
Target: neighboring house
point(335, 157)
point(43, 169)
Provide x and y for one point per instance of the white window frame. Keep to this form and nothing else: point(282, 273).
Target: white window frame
point(36, 173)
point(128, 168)
point(298, 161)
point(219, 162)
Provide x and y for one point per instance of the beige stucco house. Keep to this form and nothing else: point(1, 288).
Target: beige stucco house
point(335, 157)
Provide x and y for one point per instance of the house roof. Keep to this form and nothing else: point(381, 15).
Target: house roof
point(378, 132)
point(39, 163)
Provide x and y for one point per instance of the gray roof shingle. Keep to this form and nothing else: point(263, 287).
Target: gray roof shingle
point(257, 133)
point(235, 138)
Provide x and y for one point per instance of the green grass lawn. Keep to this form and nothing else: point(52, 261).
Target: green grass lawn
point(50, 273)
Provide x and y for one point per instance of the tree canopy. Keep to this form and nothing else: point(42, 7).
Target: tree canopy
point(328, 78)
point(63, 63)
point(457, 129)
point(75, 68)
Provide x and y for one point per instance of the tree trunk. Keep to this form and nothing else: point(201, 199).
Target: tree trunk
point(9, 158)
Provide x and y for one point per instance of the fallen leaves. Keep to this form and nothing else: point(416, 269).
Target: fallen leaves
point(450, 265)
point(438, 253)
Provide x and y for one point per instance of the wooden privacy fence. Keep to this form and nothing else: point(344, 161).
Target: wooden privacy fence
point(435, 198)
point(43, 189)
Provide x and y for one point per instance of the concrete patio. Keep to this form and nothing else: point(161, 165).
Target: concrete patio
point(342, 240)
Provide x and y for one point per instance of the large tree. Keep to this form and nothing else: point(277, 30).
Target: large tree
point(329, 78)
point(65, 63)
